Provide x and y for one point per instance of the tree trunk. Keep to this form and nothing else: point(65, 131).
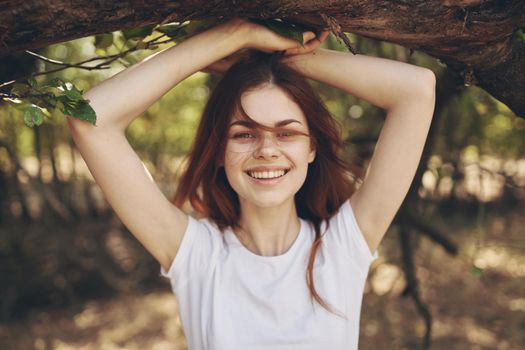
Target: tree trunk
point(473, 37)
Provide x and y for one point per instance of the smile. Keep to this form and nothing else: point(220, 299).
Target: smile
point(267, 174)
point(267, 177)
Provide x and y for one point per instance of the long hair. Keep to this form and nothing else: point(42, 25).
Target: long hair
point(329, 181)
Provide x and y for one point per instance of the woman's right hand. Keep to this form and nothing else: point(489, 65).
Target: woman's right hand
point(221, 66)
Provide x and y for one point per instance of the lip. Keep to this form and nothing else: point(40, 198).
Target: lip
point(268, 168)
point(267, 182)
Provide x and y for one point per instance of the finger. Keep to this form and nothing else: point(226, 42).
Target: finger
point(307, 36)
point(324, 35)
point(316, 41)
point(311, 45)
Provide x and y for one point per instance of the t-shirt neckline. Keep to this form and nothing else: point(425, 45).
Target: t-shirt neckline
point(276, 258)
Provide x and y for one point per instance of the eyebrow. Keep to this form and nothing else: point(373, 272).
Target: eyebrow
point(250, 124)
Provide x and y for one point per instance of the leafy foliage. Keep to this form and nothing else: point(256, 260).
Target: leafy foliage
point(53, 94)
point(33, 115)
point(181, 31)
point(36, 99)
point(138, 33)
point(103, 41)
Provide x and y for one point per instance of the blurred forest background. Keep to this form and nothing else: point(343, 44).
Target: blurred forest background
point(73, 277)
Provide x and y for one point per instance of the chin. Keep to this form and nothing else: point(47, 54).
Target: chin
point(270, 202)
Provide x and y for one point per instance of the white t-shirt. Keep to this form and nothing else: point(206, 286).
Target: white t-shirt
point(231, 298)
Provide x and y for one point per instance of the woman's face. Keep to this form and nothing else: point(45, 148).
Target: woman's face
point(266, 168)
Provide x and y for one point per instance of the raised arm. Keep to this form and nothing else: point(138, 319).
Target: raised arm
point(407, 93)
point(117, 101)
point(117, 169)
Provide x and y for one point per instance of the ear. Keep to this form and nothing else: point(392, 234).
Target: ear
point(311, 155)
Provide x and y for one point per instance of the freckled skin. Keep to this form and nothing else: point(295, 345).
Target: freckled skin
point(268, 105)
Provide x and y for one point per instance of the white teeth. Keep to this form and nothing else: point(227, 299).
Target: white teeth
point(266, 174)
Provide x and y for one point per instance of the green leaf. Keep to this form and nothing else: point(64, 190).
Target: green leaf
point(51, 99)
point(74, 94)
point(520, 34)
point(197, 26)
point(55, 82)
point(476, 271)
point(170, 29)
point(287, 29)
point(33, 115)
point(77, 108)
point(103, 41)
point(70, 90)
point(181, 31)
point(141, 32)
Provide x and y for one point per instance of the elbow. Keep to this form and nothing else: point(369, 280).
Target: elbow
point(427, 83)
point(72, 123)
point(81, 127)
point(421, 90)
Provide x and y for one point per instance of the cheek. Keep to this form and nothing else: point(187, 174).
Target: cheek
point(233, 167)
point(232, 160)
point(301, 153)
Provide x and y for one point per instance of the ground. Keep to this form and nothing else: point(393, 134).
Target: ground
point(469, 310)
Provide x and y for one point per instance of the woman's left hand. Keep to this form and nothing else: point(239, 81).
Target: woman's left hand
point(311, 43)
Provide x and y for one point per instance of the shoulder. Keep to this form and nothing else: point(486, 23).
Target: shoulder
point(347, 229)
point(201, 242)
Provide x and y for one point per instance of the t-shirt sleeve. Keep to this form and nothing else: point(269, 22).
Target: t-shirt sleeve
point(349, 235)
point(198, 248)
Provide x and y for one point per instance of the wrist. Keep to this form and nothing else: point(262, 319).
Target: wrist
point(238, 32)
point(299, 62)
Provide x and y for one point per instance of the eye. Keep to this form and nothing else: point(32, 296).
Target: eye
point(287, 134)
point(243, 135)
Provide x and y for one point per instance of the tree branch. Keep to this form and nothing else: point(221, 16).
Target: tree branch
point(475, 38)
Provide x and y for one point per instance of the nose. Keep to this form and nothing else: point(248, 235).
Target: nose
point(266, 147)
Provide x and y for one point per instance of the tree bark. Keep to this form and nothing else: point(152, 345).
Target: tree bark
point(473, 37)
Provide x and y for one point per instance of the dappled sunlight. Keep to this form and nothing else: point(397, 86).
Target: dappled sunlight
point(484, 176)
point(475, 298)
point(148, 321)
point(469, 311)
point(498, 258)
point(517, 304)
point(472, 330)
point(478, 334)
point(386, 278)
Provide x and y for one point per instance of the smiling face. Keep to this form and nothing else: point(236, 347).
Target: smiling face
point(267, 168)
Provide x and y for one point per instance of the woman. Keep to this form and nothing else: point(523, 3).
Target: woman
point(282, 223)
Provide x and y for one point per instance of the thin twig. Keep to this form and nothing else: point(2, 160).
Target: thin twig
point(80, 65)
point(335, 28)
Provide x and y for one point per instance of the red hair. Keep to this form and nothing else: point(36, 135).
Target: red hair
point(329, 181)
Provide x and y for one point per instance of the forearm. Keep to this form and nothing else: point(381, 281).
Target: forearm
point(382, 82)
point(118, 100)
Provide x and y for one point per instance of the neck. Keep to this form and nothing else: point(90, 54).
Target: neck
point(268, 231)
